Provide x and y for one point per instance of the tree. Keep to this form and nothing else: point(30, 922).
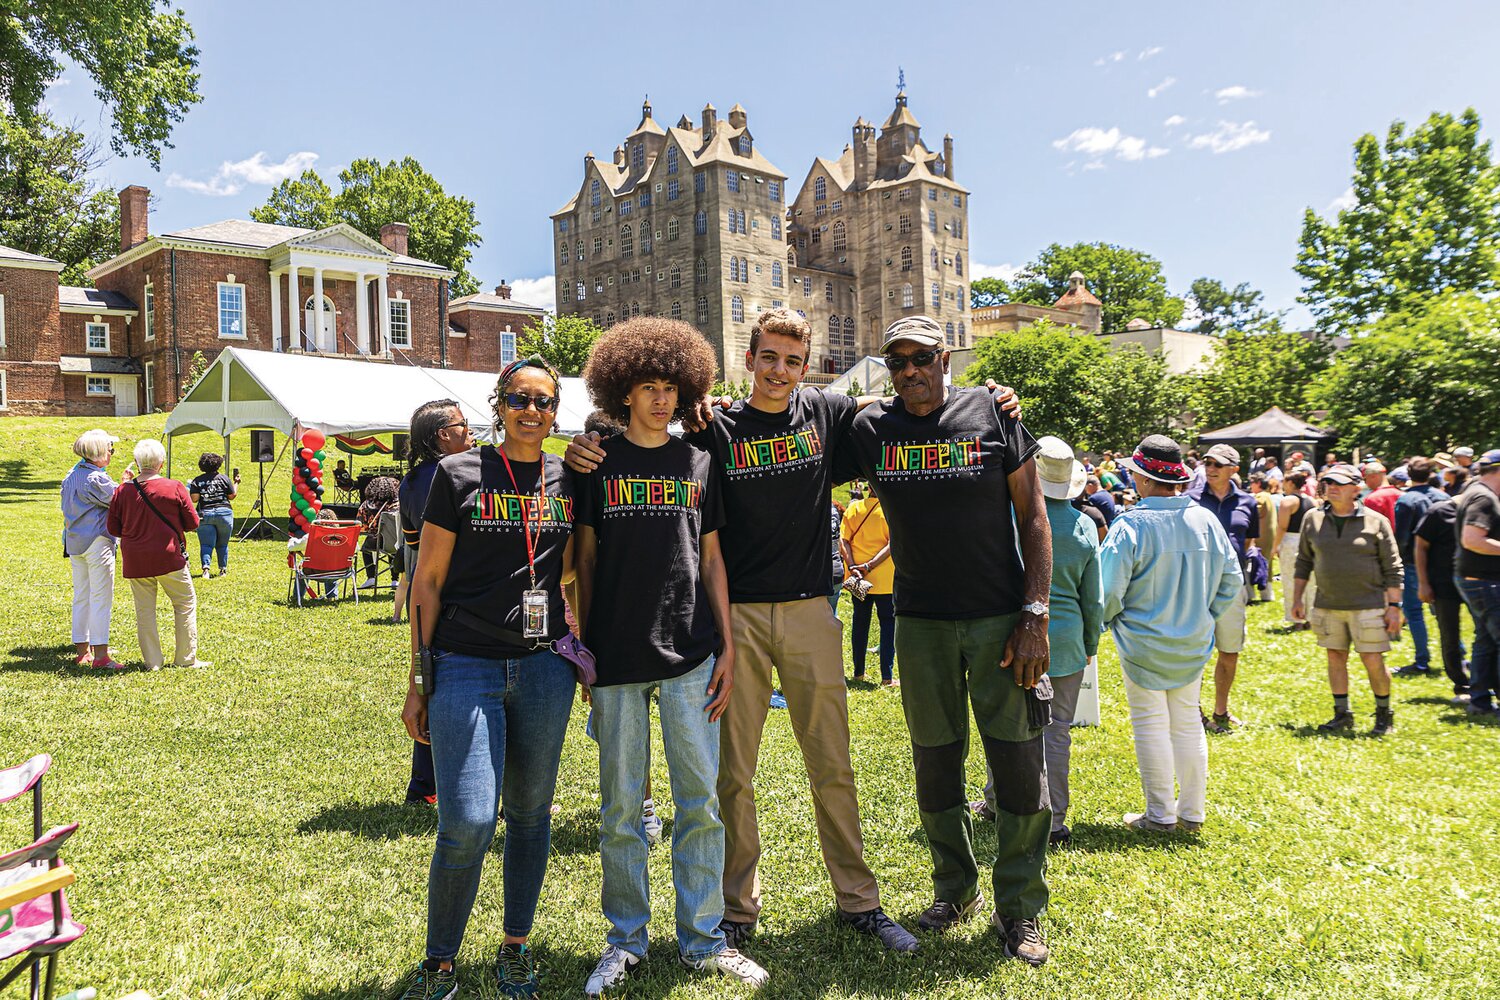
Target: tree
point(1072, 385)
point(48, 204)
point(564, 341)
point(1418, 381)
point(1251, 372)
point(443, 228)
point(988, 292)
point(139, 54)
point(1221, 308)
point(1425, 220)
point(1128, 282)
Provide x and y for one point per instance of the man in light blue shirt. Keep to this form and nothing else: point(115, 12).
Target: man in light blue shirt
point(1169, 571)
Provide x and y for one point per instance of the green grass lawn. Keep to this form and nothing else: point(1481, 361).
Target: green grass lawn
point(243, 834)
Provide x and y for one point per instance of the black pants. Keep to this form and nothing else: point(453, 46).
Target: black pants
point(859, 639)
point(1446, 610)
point(423, 781)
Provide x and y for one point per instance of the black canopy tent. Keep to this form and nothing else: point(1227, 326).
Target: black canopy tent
point(1276, 430)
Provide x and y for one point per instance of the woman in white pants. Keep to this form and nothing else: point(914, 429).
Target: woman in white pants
point(86, 493)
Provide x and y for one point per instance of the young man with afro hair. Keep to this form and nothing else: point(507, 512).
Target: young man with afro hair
point(653, 604)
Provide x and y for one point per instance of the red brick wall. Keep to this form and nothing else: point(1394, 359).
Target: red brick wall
point(130, 281)
point(482, 350)
point(29, 357)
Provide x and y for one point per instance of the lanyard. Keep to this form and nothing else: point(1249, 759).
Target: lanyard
point(525, 519)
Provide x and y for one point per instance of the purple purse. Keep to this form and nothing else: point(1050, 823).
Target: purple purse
point(572, 649)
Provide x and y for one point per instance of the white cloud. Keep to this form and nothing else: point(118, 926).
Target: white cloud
point(1161, 87)
point(1113, 57)
point(1005, 272)
point(1145, 54)
point(1238, 92)
point(539, 292)
point(232, 176)
point(1098, 143)
point(1229, 137)
point(1343, 202)
point(1175, 121)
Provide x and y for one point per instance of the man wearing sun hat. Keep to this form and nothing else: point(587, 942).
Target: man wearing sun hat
point(1169, 571)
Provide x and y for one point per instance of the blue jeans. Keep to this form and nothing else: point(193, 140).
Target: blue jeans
point(1483, 599)
point(497, 736)
point(622, 721)
point(214, 529)
point(1415, 620)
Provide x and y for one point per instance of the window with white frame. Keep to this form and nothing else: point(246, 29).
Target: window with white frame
point(100, 385)
point(932, 220)
point(637, 155)
point(96, 337)
point(948, 332)
point(700, 222)
point(958, 264)
point(937, 295)
point(150, 312)
point(625, 206)
point(827, 291)
point(737, 309)
point(700, 273)
point(732, 179)
point(563, 252)
point(581, 289)
point(702, 310)
point(903, 224)
point(907, 301)
point(775, 227)
point(672, 229)
point(150, 380)
point(672, 164)
point(598, 245)
point(672, 189)
point(508, 346)
point(677, 309)
point(676, 276)
point(906, 258)
point(2, 320)
point(840, 235)
point(594, 194)
point(820, 188)
point(400, 322)
point(958, 201)
point(932, 194)
point(775, 274)
point(699, 182)
point(773, 190)
point(231, 310)
point(627, 241)
point(4, 394)
point(580, 249)
point(962, 336)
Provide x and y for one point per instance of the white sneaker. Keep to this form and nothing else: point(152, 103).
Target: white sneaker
point(366, 585)
point(732, 963)
point(614, 966)
point(651, 822)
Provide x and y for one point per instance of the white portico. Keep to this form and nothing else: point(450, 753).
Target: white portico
point(338, 253)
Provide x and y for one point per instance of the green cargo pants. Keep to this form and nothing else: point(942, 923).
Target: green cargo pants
point(945, 666)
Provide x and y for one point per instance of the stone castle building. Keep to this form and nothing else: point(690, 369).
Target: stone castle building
point(690, 222)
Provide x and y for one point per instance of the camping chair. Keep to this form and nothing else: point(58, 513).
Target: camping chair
point(386, 541)
point(35, 922)
point(328, 559)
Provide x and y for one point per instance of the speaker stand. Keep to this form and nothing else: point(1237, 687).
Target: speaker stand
point(259, 526)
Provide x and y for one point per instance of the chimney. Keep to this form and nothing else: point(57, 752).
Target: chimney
point(948, 156)
point(393, 237)
point(619, 156)
point(502, 289)
point(737, 117)
point(710, 119)
point(864, 153)
point(134, 206)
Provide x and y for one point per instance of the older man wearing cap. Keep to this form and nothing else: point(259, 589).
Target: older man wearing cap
point(1352, 549)
point(1074, 625)
point(971, 621)
point(1169, 572)
point(1380, 493)
point(1463, 457)
point(1237, 512)
point(1478, 571)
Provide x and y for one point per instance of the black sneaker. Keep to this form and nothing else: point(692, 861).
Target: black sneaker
point(876, 924)
point(1414, 670)
point(1385, 722)
point(515, 970)
point(736, 932)
point(1023, 938)
point(1341, 722)
point(1060, 838)
point(429, 983)
point(942, 914)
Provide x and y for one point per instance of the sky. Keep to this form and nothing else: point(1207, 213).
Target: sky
point(1197, 132)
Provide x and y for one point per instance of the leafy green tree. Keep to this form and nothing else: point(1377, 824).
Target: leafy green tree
point(1133, 394)
point(48, 204)
point(1252, 372)
point(564, 341)
point(1128, 282)
point(988, 292)
point(443, 228)
point(1418, 381)
point(139, 53)
point(1222, 308)
point(1425, 220)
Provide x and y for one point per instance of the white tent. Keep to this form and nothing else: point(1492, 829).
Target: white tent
point(265, 389)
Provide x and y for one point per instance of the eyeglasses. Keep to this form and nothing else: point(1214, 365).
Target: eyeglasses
point(462, 423)
point(1212, 464)
point(519, 401)
point(897, 363)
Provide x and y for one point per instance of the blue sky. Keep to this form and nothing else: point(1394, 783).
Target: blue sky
point(1195, 131)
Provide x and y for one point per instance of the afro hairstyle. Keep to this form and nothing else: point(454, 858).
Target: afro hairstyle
point(646, 348)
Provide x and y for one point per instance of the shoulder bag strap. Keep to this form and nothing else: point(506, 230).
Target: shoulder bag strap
point(176, 529)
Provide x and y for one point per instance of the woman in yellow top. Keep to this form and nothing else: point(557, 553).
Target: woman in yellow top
point(865, 541)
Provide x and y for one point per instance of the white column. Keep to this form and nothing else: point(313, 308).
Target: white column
point(276, 310)
point(383, 305)
point(318, 336)
point(293, 308)
point(362, 311)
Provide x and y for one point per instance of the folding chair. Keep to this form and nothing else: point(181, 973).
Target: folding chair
point(35, 922)
point(328, 560)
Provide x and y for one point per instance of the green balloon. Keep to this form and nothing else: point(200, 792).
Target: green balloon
point(303, 505)
point(318, 455)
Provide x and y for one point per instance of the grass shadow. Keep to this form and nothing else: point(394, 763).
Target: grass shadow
point(1432, 699)
point(1309, 731)
point(572, 833)
point(1114, 838)
point(1459, 718)
point(14, 488)
point(56, 660)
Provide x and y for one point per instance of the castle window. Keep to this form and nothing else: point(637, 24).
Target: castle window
point(594, 194)
point(958, 201)
point(791, 256)
point(775, 227)
point(732, 178)
point(817, 235)
point(958, 229)
point(932, 219)
point(700, 273)
point(599, 286)
point(837, 206)
point(700, 222)
point(672, 189)
point(645, 197)
point(962, 337)
point(672, 162)
point(676, 276)
point(958, 264)
point(580, 249)
point(627, 241)
point(702, 310)
point(834, 326)
point(934, 258)
point(907, 301)
point(677, 310)
point(609, 318)
point(598, 245)
point(734, 269)
point(699, 182)
point(904, 194)
point(773, 191)
point(581, 289)
point(635, 308)
point(932, 194)
point(820, 188)
point(906, 258)
point(625, 206)
point(849, 337)
point(645, 239)
point(948, 334)
point(775, 274)
point(638, 155)
point(828, 291)
point(737, 309)
point(807, 288)
point(820, 211)
point(962, 298)
point(903, 224)
point(562, 225)
point(671, 229)
point(937, 295)
point(562, 252)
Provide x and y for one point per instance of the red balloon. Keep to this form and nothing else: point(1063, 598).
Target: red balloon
point(313, 439)
point(305, 454)
point(315, 503)
point(315, 465)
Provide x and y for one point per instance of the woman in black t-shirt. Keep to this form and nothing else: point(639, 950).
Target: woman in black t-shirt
point(212, 493)
point(496, 549)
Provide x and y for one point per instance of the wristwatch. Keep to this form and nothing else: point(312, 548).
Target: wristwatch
point(1038, 608)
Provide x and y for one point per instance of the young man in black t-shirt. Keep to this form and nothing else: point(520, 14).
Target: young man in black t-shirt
point(1478, 528)
point(1434, 552)
point(653, 605)
point(971, 621)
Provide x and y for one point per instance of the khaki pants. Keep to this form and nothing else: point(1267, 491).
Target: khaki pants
point(803, 641)
point(178, 587)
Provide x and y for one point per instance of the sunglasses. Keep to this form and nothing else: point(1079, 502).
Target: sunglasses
point(519, 401)
point(897, 363)
point(1212, 463)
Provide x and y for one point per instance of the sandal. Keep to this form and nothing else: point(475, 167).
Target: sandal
point(109, 663)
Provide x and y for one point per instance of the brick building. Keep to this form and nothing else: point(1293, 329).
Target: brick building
point(128, 343)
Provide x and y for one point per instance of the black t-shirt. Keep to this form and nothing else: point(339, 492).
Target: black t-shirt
point(1479, 506)
point(213, 489)
point(775, 477)
point(649, 617)
point(1436, 527)
point(942, 481)
point(472, 496)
